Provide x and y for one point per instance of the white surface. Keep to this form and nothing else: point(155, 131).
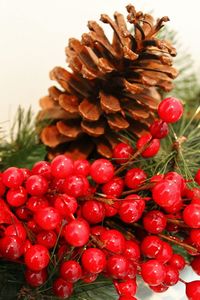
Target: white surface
point(34, 33)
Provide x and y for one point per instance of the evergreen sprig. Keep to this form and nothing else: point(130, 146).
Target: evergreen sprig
point(21, 147)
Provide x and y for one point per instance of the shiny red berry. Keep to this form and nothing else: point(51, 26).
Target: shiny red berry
point(195, 264)
point(153, 272)
point(172, 275)
point(126, 288)
point(62, 288)
point(93, 211)
point(47, 238)
point(70, 271)
point(11, 247)
point(82, 167)
point(12, 177)
point(117, 266)
point(2, 186)
point(154, 221)
point(161, 288)
point(159, 129)
point(166, 193)
point(77, 232)
point(122, 153)
point(62, 166)
point(170, 110)
point(191, 215)
point(195, 237)
point(114, 187)
point(34, 278)
point(16, 197)
point(48, 218)
point(132, 250)
point(134, 178)
point(42, 168)
point(16, 230)
point(102, 170)
point(165, 253)
point(76, 186)
point(177, 261)
point(151, 245)
point(34, 203)
point(37, 257)
point(88, 277)
point(66, 205)
point(93, 260)
point(36, 185)
point(153, 145)
point(113, 241)
point(131, 209)
point(193, 290)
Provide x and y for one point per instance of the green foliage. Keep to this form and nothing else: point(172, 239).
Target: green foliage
point(21, 148)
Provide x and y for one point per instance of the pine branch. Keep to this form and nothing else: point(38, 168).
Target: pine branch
point(21, 148)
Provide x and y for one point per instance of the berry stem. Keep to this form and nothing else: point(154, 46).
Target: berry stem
point(141, 188)
point(177, 222)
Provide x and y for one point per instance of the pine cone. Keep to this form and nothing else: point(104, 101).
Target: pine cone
point(111, 87)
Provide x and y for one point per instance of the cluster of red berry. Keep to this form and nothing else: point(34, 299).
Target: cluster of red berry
point(83, 219)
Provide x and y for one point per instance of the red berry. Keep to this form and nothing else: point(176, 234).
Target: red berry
point(48, 218)
point(153, 272)
point(127, 298)
point(36, 257)
point(16, 230)
point(193, 290)
point(62, 166)
point(159, 129)
point(82, 167)
point(134, 178)
point(195, 237)
point(117, 266)
point(157, 178)
point(93, 211)
point(12, 177)
point(191, 215)
point(26, 172)
point(178, 179)
point(132, 251)
point(114, 187)
point(23, 213)
point(161, 288)
point(88, 277)
point(166, 193)
point(172, 275)
point(195, 264)
point(11, 247)
point(76, 186)
point(36, 185)
point(131, 209)
point(98, 230)
point(177, 261)
point(26, 246)
point(151, 245)
point(165, 253)
point(42, 168)
point(122, 153)
point(113, 240)
point(66, 205)
point(34, 278)
point(126, 288)
point(93, 260)
point(111, 209)
point(77, 233)
point(197, 177)
point(34, 203)
point(62, 288)
point(16, 197)
point(154, 221)
point(2, 186)
point(170, 110)
point(102, 170)
point(152, 148)
point(70, 271)
point(47, 238)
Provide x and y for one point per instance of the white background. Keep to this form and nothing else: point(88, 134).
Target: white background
point(34, 33)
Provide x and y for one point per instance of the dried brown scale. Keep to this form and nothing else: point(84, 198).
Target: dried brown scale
point(111, 86)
